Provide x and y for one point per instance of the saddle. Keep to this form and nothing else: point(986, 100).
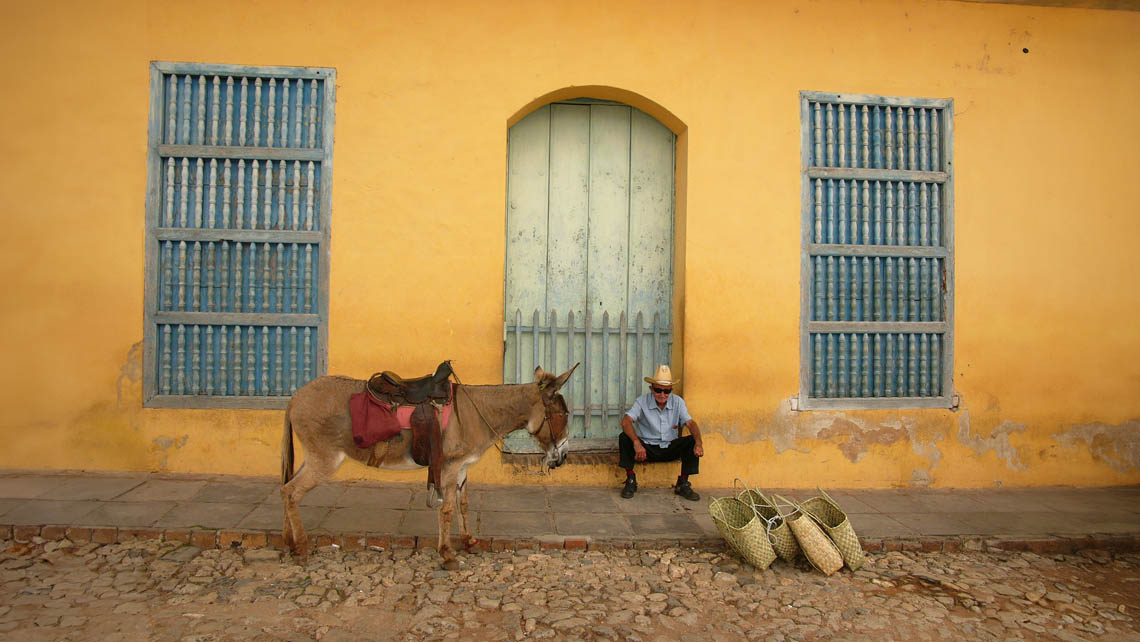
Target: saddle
point(434, 387)
point(427, 395)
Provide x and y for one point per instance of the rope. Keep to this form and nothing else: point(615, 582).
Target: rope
point(498, 437)
point(477, 411)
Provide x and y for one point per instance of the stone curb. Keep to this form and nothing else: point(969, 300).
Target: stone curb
point(231, 538)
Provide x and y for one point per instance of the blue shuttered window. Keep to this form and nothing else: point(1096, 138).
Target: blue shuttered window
point(877, 307)
point(238, 187)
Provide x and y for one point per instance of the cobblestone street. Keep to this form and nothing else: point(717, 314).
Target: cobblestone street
point(153, 590)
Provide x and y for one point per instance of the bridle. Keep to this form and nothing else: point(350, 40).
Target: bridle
point(553, 419)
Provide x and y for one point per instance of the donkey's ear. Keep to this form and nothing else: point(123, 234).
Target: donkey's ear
point(558, 383)
point(539, 374)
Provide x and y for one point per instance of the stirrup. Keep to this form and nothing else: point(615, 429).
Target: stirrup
point(434, 499)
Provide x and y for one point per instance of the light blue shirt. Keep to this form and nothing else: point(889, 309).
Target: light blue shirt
point(658, 426)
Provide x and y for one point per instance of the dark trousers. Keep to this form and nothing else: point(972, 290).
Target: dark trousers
point(680, 448)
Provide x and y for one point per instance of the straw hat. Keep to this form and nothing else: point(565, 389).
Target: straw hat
point(663, 377)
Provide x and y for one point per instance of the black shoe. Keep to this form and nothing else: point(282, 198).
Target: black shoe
point(630, 488)
point(685, 489)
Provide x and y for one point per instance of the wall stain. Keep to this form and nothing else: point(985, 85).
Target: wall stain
point(165, 443)
point(921, 476)
point(985, 63)
point(858, 440)
point(854, 442)
point(129, 372)
point(1117, 446)
point(853, 436)
point(998, 441)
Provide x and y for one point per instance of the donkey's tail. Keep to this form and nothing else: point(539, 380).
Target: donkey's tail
point(287, 448)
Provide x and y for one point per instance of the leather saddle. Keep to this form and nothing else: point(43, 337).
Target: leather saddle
point(427, 394)
point(434, 387)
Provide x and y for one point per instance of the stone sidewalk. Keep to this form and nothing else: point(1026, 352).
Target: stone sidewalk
point(226, 511)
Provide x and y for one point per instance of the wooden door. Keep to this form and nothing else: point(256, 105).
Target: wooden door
point(589, 264)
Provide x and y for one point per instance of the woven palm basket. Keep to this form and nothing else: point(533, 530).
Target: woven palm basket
point(816, 545)
point(783, 541)
point(838, 528)
point(744, 531)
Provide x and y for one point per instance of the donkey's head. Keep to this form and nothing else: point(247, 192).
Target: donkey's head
point(547, 422)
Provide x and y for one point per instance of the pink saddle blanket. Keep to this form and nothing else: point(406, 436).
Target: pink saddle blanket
point(374, 421)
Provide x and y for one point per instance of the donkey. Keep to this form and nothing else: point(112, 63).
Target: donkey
point(481, 416)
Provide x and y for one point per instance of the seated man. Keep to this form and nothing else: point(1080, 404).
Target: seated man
point(651, 431)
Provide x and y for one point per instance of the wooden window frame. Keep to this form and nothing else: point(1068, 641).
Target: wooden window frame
point(157, 151)
point(945, 252)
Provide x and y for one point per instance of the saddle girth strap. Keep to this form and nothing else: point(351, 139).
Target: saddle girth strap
point(427, 440)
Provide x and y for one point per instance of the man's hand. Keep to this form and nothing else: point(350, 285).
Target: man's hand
point(638, 450)
point(695, 431)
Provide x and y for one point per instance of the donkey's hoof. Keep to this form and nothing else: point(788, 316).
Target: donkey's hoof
point(434, 499)
point(301, 553)
point(450, 565)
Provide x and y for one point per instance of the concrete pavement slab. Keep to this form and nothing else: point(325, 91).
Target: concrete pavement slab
point(931, 524)
point(1100, 522)
point(515, 523)
point(1091, 501)
point(592, 524)
point(879, 526)
point(375, 497)
point(271, 518)
point(705, 522)
point(96, 487)
point(425, 523)
point(577, 499)
point(163, 490)
point(237, 492)
point(324, 495)
point(513, 498)
point(657, 501)
point(849, 501)
point(664, 525)
point(1015, 523)
point(49, 511)
point(361, 519)
point(944, 501)
point(886, 501)
point(205, 515)
point(1008, 501)
point(8, 504)
point(29, 486)
point(128, 514)
point(485, 497)
point(531, 511)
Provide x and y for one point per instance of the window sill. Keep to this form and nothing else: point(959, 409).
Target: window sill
point(801, 403)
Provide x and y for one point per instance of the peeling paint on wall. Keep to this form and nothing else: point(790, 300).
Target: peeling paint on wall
point(129, 373)
point(854, 436)
point(165, 443)
point(922, 476)
point(788, 427)
point(1118, 446)
point(854, 440)
point(998, 441)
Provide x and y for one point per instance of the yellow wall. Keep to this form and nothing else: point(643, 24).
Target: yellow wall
point(1047, 349)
